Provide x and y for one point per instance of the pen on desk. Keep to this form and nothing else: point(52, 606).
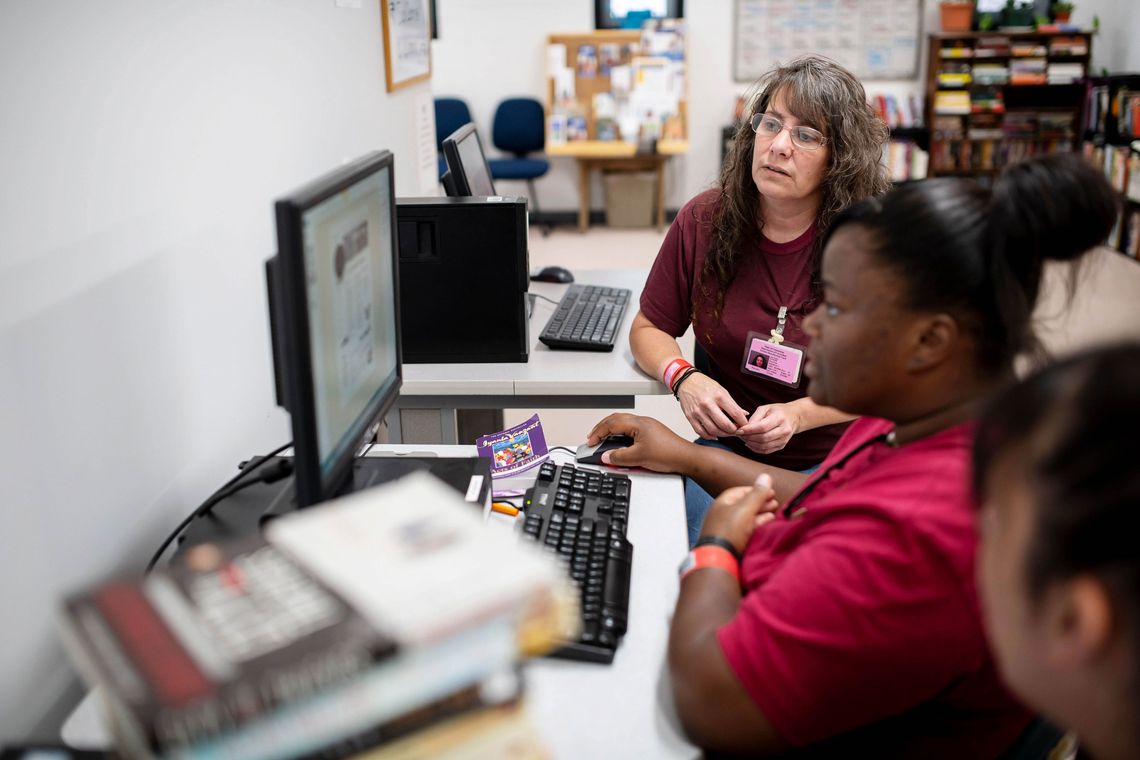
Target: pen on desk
point(504, 509)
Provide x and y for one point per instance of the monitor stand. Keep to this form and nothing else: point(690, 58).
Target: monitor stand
point(247, 511)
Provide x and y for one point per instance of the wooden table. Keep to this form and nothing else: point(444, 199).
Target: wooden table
point(617, 156)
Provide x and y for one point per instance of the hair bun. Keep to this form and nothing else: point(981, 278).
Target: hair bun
point(1053, 207)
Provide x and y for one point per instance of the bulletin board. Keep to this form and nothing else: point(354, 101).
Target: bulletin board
point(875, 39)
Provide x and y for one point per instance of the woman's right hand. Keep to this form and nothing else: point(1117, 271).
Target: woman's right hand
point(709, 408)
point(655, 447)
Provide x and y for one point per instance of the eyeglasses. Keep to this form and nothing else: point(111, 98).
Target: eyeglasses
point(805, 138)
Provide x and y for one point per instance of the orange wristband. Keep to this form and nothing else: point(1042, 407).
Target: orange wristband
point(710, 556)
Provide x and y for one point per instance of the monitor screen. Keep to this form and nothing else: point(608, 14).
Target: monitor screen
point(466, 164)
point(336, 312)
point(629, 14)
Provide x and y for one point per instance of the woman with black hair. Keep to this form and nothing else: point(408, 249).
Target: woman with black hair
point(1059, 576)
point(839, 610)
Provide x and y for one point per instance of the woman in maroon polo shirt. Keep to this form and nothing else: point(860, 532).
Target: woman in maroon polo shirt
point(838, 611)
point(740, 263)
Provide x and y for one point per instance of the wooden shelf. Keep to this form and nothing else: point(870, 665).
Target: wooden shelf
point(964, 156)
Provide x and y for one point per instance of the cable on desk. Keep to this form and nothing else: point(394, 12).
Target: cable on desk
point(283, 470)
point(544, 298)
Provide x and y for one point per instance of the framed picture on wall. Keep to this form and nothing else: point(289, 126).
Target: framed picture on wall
point(407, 41)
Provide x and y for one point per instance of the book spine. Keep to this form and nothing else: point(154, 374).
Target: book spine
point(391, 688)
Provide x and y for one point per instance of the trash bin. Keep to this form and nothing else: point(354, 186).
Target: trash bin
point(629, 198)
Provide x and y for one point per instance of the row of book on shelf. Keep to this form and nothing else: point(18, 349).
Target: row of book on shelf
point(388, 624)
point(974, 156)
point(1121, 166)
point(1012, 125)
point(1024, 71)
point(1123, 105)
point(1000, 46)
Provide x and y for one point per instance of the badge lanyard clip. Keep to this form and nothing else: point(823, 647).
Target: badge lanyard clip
point(778, 331)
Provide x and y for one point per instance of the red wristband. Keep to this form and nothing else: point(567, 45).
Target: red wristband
point(710, 555)
point(676, 366)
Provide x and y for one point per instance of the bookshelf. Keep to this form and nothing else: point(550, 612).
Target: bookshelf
point(1111, 143)
point(995, 98)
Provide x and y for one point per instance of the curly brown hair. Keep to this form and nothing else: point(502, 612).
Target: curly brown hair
point(820, 93)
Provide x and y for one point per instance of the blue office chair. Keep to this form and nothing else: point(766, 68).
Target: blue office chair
point(519, 128)
point(450, 115)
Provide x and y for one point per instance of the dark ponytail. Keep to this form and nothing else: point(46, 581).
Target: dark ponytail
point(979, 254)
point(1052, 208)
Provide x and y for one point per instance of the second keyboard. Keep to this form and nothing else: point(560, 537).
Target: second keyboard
point(587, 318)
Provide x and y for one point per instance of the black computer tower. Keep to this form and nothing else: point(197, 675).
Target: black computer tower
point(464, 273)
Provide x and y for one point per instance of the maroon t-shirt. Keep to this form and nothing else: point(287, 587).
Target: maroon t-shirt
point(768, 275)
point(860, 624)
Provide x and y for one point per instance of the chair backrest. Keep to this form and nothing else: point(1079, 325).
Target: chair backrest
point(450, 115)
point(519, 126)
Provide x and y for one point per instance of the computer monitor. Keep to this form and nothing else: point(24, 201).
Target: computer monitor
point(629, 14)
point(467, 171)
point(334, 313)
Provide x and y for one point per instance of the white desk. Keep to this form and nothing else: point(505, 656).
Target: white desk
point(549, 380)
point(581, 709)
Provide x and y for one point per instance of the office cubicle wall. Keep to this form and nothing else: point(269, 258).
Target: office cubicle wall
point(142, 146)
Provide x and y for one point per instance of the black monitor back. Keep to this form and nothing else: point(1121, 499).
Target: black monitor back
point(467, 170)
point(463, 279)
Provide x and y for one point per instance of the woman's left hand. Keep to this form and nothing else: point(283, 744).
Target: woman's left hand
point(739, 511)
point(769, 428)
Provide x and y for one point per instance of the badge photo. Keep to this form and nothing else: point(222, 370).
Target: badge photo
point(779, 362)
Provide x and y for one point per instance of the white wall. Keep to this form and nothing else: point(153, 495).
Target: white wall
point(142, 143)
point(493, 49)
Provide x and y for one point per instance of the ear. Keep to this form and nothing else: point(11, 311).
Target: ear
point(935, 339)
point(1079, 620)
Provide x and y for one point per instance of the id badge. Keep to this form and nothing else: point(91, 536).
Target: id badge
point(781, 363)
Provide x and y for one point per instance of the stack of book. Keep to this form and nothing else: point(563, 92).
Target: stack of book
point(956, 50)
point(955, 75)
point(991, 47)
point(952, 102)
point(389, 623)
point(987, 100)
point(1027, 49)
point(1020, 125)
point(1028, 71)
point(1068, 45)
point(991, 73)
point(986, 126)
point(1065, 73)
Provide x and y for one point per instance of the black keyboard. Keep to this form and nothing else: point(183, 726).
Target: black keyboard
point(580, 516)
point(587, 318)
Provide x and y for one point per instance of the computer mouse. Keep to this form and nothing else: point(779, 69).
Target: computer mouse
point(593, 454)
point(553, 274)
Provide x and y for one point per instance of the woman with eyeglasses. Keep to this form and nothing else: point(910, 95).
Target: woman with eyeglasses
point(1059, 570)
point(740, 264)
point(838, 610)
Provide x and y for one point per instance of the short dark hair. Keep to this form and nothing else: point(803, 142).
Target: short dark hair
point(1072, 427)
point(978, 253)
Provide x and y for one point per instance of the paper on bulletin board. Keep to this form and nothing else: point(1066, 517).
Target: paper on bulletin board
point(427, 161)
point(555, 58)
point(875, 39)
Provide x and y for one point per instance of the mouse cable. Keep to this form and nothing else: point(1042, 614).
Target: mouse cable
point(283, 470)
